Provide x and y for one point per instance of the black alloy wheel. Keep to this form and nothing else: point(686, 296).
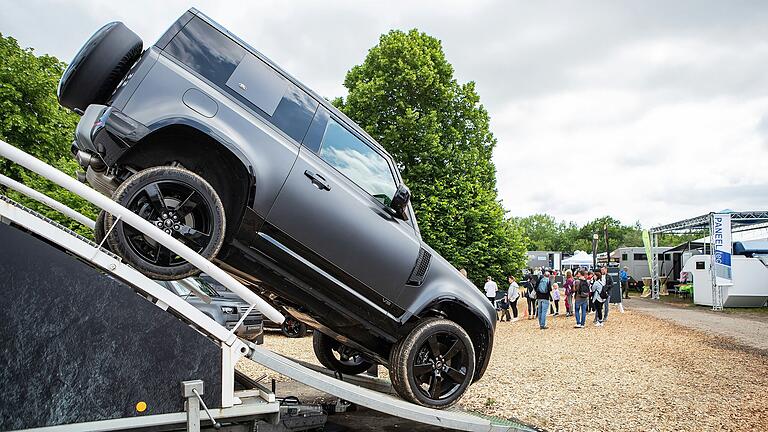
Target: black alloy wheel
point(434, 365)
point(180, 203)
point(335, 356)
point(293, 328)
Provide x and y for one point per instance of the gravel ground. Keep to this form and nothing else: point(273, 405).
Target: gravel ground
point(638, 373)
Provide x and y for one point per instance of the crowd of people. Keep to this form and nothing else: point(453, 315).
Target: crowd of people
point(583, 292)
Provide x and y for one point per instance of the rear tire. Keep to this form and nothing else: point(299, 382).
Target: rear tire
point(326, 349)
point(178, 201)
point(99, 66)
point(434, 365)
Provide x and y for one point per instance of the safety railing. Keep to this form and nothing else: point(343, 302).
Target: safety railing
point(28, 161)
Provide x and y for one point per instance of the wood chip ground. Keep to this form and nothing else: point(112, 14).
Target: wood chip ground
point(637, 373)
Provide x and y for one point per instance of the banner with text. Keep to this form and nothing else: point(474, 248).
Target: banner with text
point(723, 248)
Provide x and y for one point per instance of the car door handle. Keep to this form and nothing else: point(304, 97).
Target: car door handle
point(318, 180)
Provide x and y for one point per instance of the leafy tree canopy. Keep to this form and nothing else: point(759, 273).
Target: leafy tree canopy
point(32, 120)
point(405, 96)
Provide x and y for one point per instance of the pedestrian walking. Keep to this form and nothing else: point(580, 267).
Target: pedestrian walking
point(514, 295)
point(568, 285)
point(543, 292)
point(581, 294)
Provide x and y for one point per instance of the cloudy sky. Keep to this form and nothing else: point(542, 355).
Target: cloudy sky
point(660, 107)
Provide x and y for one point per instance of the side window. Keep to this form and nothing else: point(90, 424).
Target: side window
point(623, 257)
point(357, 161)
point(236, 71)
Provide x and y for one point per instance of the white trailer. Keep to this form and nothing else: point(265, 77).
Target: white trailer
point(750, 276)
point(636, 260)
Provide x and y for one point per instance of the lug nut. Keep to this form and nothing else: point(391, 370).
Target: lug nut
point(158, 223)
point(175, 217)
point(165, 215)
point(176, 227)
point(167, 231)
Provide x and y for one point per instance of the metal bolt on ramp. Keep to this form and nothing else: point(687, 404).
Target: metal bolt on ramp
point(385, 403)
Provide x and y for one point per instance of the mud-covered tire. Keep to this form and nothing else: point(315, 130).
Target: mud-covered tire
point(99, 66)
point(416, 366)
point(325, 346)
point(186, 207)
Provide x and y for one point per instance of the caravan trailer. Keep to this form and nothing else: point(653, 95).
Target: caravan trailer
point(636, 261)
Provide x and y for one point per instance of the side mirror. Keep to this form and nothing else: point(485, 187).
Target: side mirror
point(400, 201)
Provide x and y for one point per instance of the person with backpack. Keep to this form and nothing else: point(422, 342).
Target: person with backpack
point(543, 291)
point(599, 296)
point(581, 290)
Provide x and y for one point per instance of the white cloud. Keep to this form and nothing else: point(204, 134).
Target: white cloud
point(660, 105)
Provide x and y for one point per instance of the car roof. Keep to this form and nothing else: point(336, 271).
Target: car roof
point(335, 111)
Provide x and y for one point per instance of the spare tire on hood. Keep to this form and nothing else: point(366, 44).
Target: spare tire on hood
point(99, 66)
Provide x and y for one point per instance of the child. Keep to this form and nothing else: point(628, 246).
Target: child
point(555, 299)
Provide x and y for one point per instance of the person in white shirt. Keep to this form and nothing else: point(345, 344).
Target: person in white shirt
point(598, 300)
point(490, 290)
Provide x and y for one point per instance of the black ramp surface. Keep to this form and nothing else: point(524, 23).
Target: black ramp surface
point(77, 345)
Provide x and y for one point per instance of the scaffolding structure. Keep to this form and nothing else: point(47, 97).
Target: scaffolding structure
point(740, 221)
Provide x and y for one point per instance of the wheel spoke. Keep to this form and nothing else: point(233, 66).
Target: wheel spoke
point(186, 206)
point(155, 198)
point(420, 370)
point(434, 346)
point(456, 375)
point(436, 387)
point(453, 350)
point(163, 256)
point(199, 238)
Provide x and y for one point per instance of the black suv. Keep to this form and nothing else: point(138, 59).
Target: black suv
point(208, 139)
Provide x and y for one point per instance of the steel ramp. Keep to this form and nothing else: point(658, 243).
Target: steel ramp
point(386, 403)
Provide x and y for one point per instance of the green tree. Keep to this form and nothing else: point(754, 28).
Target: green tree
point(32, 120)
point(404, 95)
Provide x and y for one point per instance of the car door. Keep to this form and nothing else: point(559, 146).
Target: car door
point(333, 212)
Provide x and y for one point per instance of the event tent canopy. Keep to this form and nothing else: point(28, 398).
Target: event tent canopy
point(579, 258)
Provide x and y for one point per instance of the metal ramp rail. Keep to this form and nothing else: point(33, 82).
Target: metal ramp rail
point(233, 348)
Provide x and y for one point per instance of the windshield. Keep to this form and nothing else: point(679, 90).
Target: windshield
point(202, 285)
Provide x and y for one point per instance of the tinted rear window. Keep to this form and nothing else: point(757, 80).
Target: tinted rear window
point(215, 56)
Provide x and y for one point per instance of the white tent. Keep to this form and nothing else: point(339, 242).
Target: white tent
point(579, 258)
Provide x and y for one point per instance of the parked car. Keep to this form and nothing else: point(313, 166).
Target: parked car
point(226, 311)
point(290, 327)
point(214, 143)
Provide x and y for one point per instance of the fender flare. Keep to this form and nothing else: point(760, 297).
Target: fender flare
point(212, 133)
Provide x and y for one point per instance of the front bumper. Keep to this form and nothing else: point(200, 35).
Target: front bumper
point(253, 332)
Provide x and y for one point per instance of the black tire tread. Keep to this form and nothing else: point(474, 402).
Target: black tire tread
point(400, 364)
point(321, 344)
point(184, 270)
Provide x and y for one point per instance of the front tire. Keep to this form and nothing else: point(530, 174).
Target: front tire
point(335, 356)
point(434, 365)
point(179, 202)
